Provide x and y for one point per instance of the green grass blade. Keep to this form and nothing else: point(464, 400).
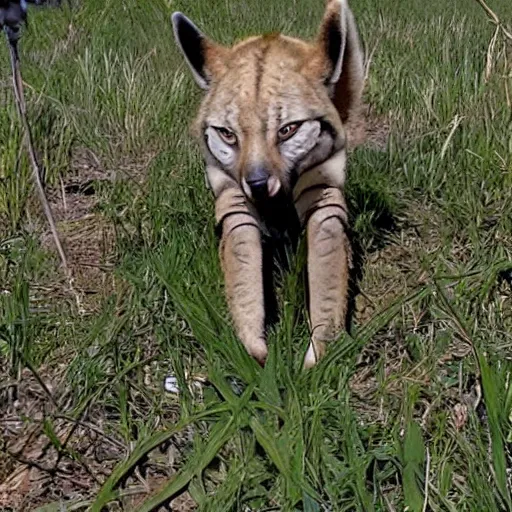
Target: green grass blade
point(106, 492)
point(269, 442)
point(310, 505)
point(220, 434)
point(412, 471)
point(494, 404)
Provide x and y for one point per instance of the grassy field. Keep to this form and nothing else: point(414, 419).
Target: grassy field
point(411, 411)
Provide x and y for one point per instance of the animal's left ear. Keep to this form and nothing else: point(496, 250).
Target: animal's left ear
point(340, 47)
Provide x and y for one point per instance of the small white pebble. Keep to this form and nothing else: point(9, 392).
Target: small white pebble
point(171, 384)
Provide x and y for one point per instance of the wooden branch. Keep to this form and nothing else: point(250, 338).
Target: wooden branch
point(494, 18)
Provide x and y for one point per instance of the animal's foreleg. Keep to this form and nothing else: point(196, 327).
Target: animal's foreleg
point(329, 260)
point(242, 264)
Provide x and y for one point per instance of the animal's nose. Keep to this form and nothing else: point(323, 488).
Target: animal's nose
point(257, 181)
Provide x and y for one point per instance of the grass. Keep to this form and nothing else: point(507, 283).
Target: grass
point(412, 410)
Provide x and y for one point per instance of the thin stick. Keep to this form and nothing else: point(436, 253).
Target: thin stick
point(507, 78)
point(40, 381)
point(94, 429)
point(456, 122)
point(36, 170)
point(36, 174)
point(495, 19)
point(427, 472)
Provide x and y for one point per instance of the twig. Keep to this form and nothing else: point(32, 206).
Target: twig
point(36, 170)
point(427, 472)
point(94, 429)
point(30, 463)
point(40, 381)
point(507, 92)
point(494, 18)
point(507, 39)
point(21, 105)
point(455, 124)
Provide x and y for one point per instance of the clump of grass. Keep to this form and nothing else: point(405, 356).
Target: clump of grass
point(412, 409)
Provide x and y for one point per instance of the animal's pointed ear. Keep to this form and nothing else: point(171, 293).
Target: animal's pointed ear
point(202, 55)
point(341, 48)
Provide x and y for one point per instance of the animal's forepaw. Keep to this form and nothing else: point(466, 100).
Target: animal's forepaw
point(315, 352)
point(258, 349)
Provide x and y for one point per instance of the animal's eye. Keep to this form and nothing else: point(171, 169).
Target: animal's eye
point(227, 136)
point(287, 131)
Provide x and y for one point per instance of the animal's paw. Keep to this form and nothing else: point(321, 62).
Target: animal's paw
point(258, 349)
point(315, 352)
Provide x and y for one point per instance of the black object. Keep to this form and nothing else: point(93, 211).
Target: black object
point(12, 15)
point(506, 275)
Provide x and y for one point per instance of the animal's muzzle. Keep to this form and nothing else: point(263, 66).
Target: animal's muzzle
point(259, 184)
point(257, 181)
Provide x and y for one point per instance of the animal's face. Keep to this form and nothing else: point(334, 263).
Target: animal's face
point(268, 113)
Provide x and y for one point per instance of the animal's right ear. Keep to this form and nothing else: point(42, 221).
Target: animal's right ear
point(202, 55)
point(340, 48)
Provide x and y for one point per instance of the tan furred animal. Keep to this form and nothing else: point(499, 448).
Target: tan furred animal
point(272, 130)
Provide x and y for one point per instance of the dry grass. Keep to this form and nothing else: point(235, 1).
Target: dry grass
point(411, 409)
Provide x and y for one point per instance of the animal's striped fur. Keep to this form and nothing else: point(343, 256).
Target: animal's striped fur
point(271, 126)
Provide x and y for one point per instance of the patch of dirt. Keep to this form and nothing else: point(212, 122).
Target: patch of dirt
point(389, 273)
point(388, 363)
point(48, 456)
point(183, 503)
point(87, 238)
point(86, 235)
